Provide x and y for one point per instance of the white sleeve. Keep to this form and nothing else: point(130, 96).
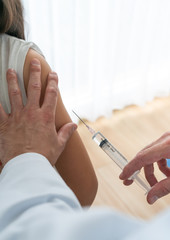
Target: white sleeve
point(31, 176)
point(35, 203)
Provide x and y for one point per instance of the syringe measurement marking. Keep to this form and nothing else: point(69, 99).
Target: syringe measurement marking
point(119, 159)
point(109, 145)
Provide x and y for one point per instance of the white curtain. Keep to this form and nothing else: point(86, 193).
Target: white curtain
point(108, 53)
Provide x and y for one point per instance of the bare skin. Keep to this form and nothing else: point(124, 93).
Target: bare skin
point(156, 152)
point(74, 166)
point(22, 131)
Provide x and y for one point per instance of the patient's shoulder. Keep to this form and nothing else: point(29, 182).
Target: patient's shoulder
point(45, 68)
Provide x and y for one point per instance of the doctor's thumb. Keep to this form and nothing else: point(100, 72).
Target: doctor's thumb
point(65, 133)
point(159, 190)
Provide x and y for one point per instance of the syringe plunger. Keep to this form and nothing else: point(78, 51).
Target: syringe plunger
point(116, 156)
point(119, 159)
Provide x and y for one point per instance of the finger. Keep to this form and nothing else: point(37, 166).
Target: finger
point(14, 91)
point(159, 140)
point(65, 133)
point(3, 115)
point(150, 145)
point(162, 164)
point(149, 174)
point(52, 76)
point(50, 99)
point(127, 182)
point(143, 158)
point(34, 84)
point(144, 150)
point(1, 166)
point(159, 190)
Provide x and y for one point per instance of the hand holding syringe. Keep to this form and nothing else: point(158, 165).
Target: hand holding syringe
point(116, 156)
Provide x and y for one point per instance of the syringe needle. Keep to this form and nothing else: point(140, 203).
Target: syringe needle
point(115, 155)
point(89, 128)
point(80, 119)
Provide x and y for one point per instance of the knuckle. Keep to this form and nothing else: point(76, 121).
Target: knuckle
point(15, 92)
point(138, 161)
point(52, 90)
point(36, 86)
point(11, 79)
point(48, 117)
point(11, 76)
point(17, 118)
point(164, 188)
point(36, 68)
point(30, 114)
point(139, 156)
point(54, 76)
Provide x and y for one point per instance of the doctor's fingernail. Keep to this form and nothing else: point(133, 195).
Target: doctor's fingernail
point(53, 75)
point(35, 62)
point(153, 199)
point(74, 127)
point(121, 175)
point(11, 71)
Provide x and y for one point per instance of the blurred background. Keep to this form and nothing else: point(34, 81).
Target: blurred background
point(108, 53)
point(112, 56)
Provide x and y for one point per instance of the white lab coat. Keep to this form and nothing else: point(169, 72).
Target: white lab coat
point(35, 203)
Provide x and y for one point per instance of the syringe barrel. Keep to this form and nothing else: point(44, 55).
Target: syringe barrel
point(108, 148)
point(119, 159)
point(141, 182)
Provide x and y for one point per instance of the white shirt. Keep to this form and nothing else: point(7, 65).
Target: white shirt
point(13, 52)
point(35, 203)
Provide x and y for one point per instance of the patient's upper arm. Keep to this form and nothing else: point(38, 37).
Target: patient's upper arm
point(63, 117)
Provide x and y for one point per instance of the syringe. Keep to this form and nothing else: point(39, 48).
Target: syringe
point(116, 156)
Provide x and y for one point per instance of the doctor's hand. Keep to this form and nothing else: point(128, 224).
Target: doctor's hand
point(31, 128)
point(157, 151)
